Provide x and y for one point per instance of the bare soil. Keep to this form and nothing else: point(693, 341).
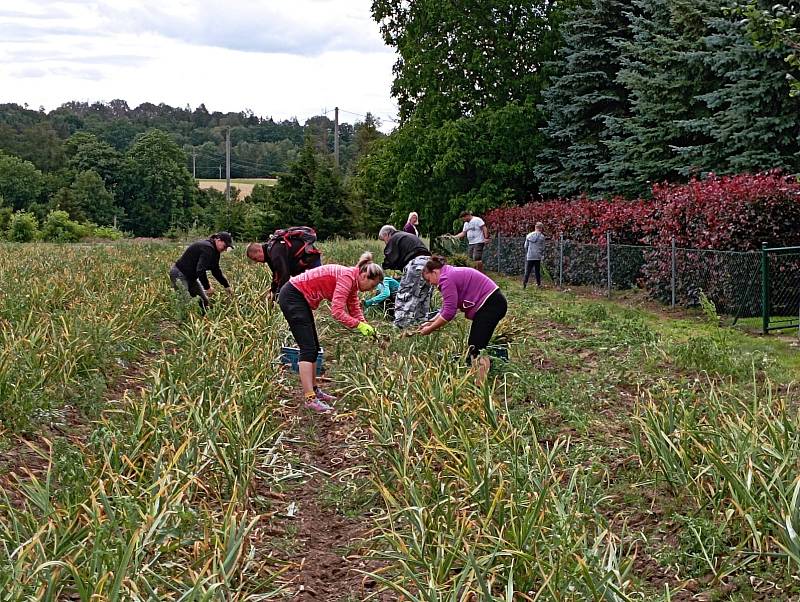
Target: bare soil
point(325, 547)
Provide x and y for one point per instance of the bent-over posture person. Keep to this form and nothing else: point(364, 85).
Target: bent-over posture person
point(385, 296)
point(407, 252)
point(288, 253)
point(189, 272)
point(303, 294)
point(475, 294)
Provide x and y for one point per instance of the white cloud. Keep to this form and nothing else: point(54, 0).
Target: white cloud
point(304, 27)
point(280, 58)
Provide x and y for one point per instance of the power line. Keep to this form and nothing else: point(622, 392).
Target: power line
point(240, 161)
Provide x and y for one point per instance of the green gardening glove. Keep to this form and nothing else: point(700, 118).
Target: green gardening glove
point(365, 329)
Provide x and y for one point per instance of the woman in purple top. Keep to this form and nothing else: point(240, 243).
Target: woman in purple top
point(476, 295)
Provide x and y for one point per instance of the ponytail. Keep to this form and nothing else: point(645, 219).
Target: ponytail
point(366, 266)
point(434, 263)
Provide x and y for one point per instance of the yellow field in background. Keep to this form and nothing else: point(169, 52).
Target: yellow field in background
point(245, 185)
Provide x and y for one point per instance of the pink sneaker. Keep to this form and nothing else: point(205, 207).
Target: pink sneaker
point(317, 405)
point(323, 396)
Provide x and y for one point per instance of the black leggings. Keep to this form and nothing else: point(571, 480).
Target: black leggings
point(190, 285)
point(485, 321)
point(536, 265)
point(298, 314)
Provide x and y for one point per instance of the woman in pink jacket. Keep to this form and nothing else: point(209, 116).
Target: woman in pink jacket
point(475, 294)
point(302, 294)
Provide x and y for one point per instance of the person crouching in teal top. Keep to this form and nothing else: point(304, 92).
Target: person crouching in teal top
point(385, 293)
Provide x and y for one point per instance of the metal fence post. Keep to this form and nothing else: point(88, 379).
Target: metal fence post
point(764, 289)
point(497, 252)
point(561, 260)
point(674, 270)
point(608, 261)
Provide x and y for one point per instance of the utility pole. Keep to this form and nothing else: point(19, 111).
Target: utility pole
point(220, 172)
point(228, 164)
point(194, 164)
point(336, 137)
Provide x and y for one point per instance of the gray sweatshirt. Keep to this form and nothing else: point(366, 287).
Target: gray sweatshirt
point(534, 246)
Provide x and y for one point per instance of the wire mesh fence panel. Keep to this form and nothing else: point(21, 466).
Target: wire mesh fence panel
point(627, 263)
point(783, 292)
point(506, 255)
point(730, 279)
point(584, 264)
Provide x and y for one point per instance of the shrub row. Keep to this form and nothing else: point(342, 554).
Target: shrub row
point(23, 226)
point(734, 213)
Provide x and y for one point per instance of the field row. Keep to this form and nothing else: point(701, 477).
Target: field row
point(616, 456)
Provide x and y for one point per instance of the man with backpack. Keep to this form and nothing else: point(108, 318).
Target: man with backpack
point(288, 252)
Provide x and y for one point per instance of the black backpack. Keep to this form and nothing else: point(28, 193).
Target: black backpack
point(291, 236)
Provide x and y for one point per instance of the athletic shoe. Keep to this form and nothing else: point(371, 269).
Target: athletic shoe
point(317, 405)
point(323, 396)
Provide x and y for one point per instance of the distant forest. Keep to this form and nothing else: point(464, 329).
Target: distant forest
point(260, 146)
point(81, 166)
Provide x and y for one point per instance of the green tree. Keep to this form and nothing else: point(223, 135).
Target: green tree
point(752, 119)
point(86, 152)
point(5, 217)
point(23, 227)
point(776, 26)
point(59, 228)
point(41, 145)
point(456, 58)
point(581, 97)
point(87, 199)
point(476, 162)
point(156, 189)
point(261, 219)
point(664, 72)
point(311, 194)
point(21, 184)
point(365, 134)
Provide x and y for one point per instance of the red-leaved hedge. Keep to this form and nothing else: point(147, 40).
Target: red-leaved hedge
point(728, 213)
point(731, 213)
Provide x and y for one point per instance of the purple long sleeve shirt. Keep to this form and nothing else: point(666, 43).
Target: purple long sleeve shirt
point(465, 289)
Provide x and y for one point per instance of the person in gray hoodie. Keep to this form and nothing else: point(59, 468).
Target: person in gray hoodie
point(534, 253)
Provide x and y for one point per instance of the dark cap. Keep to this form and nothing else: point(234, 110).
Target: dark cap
point(224, 237)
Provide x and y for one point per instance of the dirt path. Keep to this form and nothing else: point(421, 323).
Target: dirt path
point(321, 522)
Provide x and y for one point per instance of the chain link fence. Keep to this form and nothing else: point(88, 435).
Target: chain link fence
point(733, 280)
point(781, 288)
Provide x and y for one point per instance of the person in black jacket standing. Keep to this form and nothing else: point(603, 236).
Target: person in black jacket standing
point(189, 272)
point(407, 252)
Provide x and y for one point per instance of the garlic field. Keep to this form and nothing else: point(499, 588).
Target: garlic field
point(147, 453)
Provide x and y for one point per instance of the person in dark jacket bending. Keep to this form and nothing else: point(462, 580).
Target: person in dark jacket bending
point(407, 252)
point(189, 272)
point(284, 259)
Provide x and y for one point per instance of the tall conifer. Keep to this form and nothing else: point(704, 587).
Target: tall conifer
point(582, 96)
point(664, 70)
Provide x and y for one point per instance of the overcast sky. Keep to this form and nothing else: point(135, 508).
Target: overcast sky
point(280, 58)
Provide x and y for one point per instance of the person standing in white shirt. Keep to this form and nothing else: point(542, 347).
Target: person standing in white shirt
point(477, 236)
